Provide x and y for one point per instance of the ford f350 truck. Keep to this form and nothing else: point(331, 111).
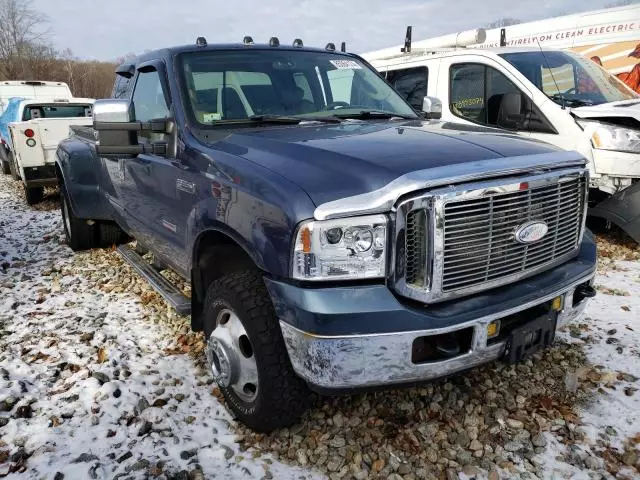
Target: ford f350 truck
point(333, 238)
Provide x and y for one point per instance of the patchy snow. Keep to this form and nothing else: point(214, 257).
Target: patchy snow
point(86, 387)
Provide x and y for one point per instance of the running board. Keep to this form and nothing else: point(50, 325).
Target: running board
point(164, 287)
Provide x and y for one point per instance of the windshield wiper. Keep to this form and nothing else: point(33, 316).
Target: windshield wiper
point(289, 120)
point(372, 114)
point(575, 102)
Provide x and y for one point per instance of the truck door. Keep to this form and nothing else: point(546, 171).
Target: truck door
point(150, 193)
point(476, 90)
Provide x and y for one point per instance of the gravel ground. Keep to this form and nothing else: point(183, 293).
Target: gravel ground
point(100, 379)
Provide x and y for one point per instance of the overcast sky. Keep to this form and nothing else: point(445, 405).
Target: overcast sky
point(108, 29)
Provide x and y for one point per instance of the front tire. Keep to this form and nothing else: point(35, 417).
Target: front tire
point(80, 235)
point(247, 354)
point(33, 195)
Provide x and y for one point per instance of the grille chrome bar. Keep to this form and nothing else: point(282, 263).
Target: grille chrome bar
point(469, 244)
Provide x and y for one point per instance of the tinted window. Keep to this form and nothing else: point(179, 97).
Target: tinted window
point(479, 93)
point(148, 97)
point(467, 98)
point(411, 83)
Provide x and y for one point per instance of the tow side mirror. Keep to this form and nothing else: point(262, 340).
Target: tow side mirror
point(117, 131)
point(432, 108)
point(510, 115)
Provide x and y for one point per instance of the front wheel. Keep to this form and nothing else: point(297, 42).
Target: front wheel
point(247, 354)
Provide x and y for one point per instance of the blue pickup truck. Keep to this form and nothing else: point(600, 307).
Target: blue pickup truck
point(335, 239)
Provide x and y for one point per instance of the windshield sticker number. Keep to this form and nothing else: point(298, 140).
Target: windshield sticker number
point(346, 64)
point(211, 117)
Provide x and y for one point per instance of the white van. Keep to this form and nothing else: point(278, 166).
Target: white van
point(556, 96)
point(45, 91)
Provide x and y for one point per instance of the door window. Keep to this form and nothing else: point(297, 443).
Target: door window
point(481, 94)
point(411, 83)
point(148, 97)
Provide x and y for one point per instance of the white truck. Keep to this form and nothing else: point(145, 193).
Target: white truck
point(34, 140)
point(555, 96)
point(41, 90)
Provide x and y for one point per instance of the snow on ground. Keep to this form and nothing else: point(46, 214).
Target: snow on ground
point(86, 387)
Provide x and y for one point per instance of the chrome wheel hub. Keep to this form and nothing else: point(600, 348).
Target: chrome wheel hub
point(231, 358)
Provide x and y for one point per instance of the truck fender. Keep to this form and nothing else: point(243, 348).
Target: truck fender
point(622, 209)
point(78, 168)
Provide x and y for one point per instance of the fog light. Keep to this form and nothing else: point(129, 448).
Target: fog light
point(556, 304)
point(493, 329)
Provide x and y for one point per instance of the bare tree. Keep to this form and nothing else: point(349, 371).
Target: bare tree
point(503, 22)
point(23, 34)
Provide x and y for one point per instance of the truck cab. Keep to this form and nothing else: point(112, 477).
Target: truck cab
point(551, 95)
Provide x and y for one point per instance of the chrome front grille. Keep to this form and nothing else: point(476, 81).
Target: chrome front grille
point(479, 241)
point(459, 240)
point(416, 249)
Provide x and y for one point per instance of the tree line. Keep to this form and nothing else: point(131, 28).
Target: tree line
point(26, 54)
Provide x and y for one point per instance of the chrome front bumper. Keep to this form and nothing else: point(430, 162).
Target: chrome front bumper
point(361, 361)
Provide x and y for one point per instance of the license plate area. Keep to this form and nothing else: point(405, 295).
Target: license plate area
point(531, 337)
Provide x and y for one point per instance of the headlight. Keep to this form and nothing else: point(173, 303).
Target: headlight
point(611, 137)
point(344, 249)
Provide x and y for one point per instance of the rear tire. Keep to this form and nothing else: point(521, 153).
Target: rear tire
point(13, 168)
point(33, 194)
point(5, 167)
point(80, 235)
point(242, 330)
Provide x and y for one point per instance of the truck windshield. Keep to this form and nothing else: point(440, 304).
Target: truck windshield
point(569, 78)
point(235, 86)
point(33, 111)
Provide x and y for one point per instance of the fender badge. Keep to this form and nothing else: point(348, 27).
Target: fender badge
point(531, 232)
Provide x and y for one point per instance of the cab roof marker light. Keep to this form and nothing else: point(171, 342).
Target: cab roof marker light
point(331, 47)
point(298, 43)
point(247, 40)
point(274, 42)
point(343, 47)
point(201, 42)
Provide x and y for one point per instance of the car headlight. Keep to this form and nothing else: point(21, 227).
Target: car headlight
point(611, 137)
point(343, 249)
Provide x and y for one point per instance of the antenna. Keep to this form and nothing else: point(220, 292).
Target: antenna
point(407, 41)
point(503, 37)
point(552, 77)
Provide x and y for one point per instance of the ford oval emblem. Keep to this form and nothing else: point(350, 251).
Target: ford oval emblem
point(531, 232)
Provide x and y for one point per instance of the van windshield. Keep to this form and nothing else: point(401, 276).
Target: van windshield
point(235, 86)
point(33, 111)
point(569, 78)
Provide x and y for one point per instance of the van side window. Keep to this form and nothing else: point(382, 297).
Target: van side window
point(484, 95)
point(411, 84)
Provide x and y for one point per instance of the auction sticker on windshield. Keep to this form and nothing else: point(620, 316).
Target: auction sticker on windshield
point(346, 64)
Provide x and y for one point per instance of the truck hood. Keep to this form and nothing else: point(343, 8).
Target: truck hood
point(335, 161)
point(623, 108)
